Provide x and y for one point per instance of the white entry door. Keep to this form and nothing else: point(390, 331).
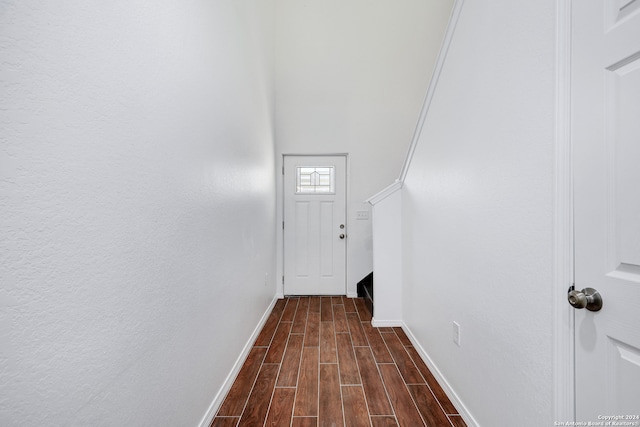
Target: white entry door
point(315, 225)
point(606, 150)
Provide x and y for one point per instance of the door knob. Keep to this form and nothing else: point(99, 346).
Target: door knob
point(342, 236)
point(587, 298)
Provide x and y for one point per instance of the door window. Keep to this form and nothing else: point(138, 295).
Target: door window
point(315, 180)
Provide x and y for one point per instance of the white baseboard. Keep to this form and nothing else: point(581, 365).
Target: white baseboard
point(453, 397)
point(228, 382)
point(352, 295)
point(386, 323)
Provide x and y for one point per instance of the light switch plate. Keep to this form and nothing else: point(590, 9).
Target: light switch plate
point(362, 214)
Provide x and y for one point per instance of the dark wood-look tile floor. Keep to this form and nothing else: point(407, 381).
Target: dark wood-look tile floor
point(318, 362)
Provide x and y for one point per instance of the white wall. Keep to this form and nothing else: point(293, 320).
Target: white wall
point(387, 256)
point(350, 77)
point(137, 206)
point(477, 215)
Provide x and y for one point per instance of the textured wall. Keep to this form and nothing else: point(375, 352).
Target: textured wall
point(477, 215)
point(350, 77)
point(137, 206)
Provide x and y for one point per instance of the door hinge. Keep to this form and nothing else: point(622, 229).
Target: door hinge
point(282, 169)
point(283, 280)
point(283, 225)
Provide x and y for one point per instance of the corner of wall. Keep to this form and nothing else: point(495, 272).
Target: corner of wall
point(453, 397)
point(228, 382)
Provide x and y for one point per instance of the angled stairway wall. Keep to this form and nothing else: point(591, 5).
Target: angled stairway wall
point(479, 216)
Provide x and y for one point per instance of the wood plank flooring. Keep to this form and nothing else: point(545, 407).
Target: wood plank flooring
point(318, 362)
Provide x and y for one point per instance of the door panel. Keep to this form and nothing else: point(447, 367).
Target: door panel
point(314, 210)
point(625, 375)
point(606, 152)
point(301, 238)
point(327, 238)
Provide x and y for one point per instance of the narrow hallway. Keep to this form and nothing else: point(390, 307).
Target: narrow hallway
point(319, 362)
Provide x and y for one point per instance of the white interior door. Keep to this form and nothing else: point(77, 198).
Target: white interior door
point(315, 225)
point(606, 149)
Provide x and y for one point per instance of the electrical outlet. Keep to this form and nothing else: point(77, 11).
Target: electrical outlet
point(456, 333)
